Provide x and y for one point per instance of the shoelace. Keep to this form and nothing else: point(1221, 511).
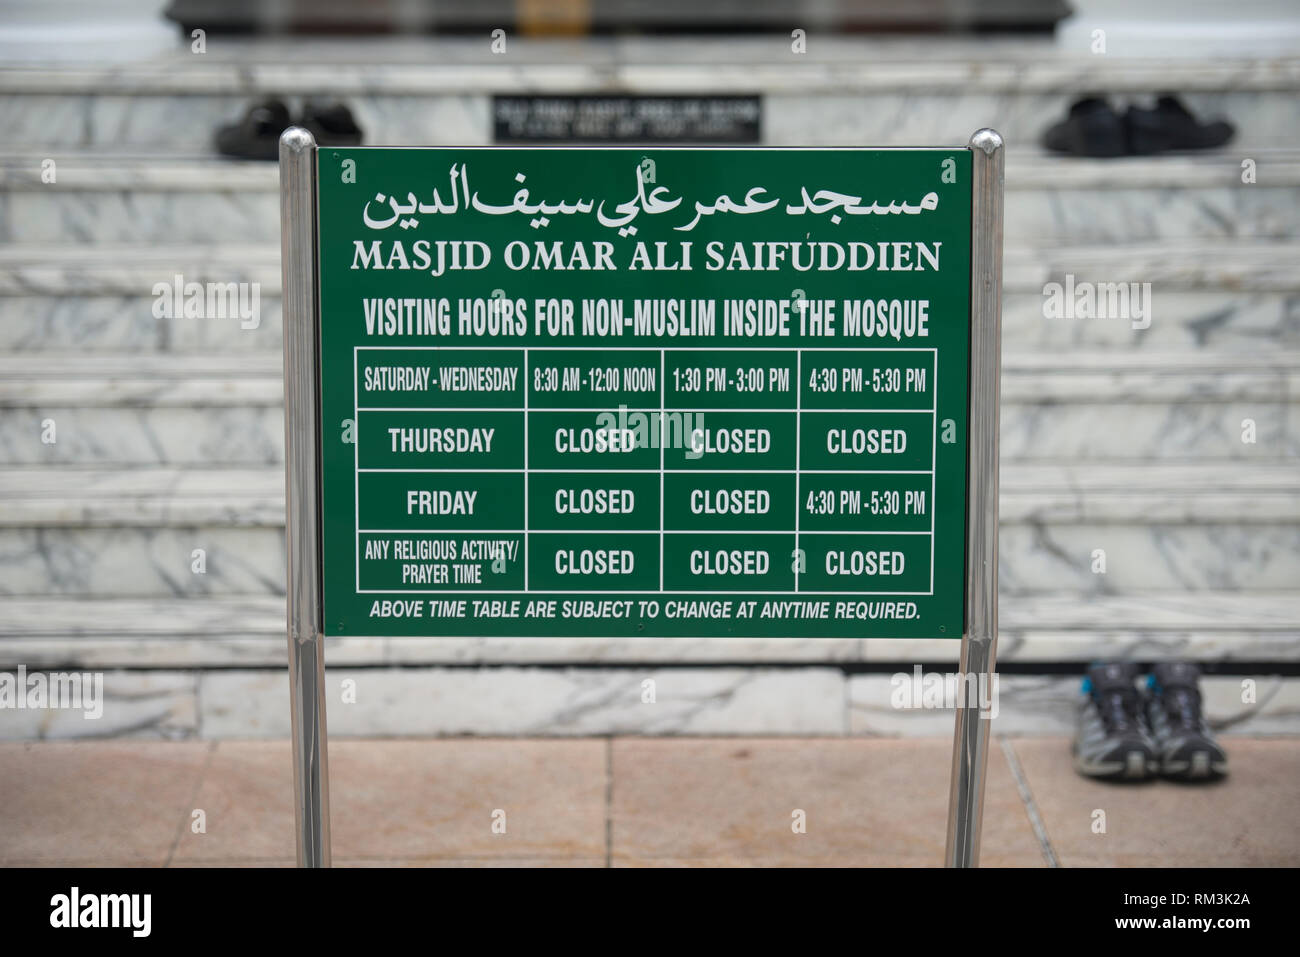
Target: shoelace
point(1184, 706)
point(1117, 710)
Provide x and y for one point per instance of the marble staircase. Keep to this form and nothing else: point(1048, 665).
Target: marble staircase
point(1118, 436)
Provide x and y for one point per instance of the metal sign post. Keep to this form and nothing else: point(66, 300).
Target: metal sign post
point(299, 263)
point(535, 442)
point(980, 638)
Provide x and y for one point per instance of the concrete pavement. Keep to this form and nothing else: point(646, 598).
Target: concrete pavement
point(628, 801)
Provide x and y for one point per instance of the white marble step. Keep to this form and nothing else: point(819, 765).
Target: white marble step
point(731, 699)
point(845, 90)
point(248, 631)
point(87, 533)
point(560, 701)
point(300, 64)
point(118, 198)
point(1205, 321)
point(167, 409)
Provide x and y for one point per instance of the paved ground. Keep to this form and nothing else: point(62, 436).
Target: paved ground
point(629, 801)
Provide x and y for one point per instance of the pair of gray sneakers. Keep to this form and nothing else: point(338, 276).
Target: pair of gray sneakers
point(1132, 733)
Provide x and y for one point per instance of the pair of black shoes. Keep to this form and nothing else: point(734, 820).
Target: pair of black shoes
point(1094, 128)
point(1131, 732)
point(257, 135)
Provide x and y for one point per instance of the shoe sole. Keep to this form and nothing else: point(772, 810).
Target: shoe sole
point(1200, 767)
point(1135, 767)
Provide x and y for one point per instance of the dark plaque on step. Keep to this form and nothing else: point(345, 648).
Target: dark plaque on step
point(626, 119)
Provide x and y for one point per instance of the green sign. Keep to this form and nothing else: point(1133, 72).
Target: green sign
point(644, 392)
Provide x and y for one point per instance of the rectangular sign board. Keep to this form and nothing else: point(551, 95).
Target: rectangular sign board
point(605, 118)
point(646, 392)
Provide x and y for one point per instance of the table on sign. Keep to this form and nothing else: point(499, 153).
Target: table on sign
point(631, 470)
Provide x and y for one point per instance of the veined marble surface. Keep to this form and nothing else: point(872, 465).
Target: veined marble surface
point(1034, 705)
point(426, 64)
point(817, 701)
point(135, 704)
point(918, 117)
point(132, 270)
point(1148, 215)
point(1170, 265)
point(1209, 321)
point(190, 435)
point(136, 216)
point(140, 562)
point(988, 59)
point(31, 325)
point(187, 123)
point(1041, 558)
point(510, 701)
point(842, 90)
point(1176, 431)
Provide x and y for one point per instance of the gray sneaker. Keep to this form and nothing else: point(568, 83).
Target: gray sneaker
point(1184, 745)
point(1112, 740)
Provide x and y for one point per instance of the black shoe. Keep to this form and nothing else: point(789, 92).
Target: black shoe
point(1092, 128)
point(257, 135)
point(1170, 126)
point(1184, 745)
point(1112, 739)
point(331, 123)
